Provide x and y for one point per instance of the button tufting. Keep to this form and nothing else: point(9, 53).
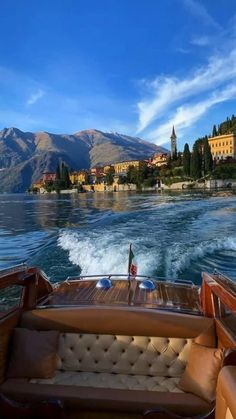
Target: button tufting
point(88, 349)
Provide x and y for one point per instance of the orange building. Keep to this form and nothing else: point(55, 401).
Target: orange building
point(108, 168)
point(160, 159)
point(223, 146)
point(48, 177)
point(97, 171)
point(38, 184)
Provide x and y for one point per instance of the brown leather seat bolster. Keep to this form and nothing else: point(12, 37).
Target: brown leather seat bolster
point(226, 388)
point(121, 321)
point(109, 399)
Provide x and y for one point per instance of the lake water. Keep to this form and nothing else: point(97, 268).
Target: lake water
point(173, 235)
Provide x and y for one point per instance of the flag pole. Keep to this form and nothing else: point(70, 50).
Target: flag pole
point(129, 262)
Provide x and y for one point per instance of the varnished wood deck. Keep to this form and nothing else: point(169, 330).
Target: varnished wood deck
point(166, 295)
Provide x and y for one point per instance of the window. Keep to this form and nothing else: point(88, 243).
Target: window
point(228, 319)
point(219, 144)
point(10, 299)
point(223, 144)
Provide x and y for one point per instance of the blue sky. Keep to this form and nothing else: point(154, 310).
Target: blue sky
point(132, 66)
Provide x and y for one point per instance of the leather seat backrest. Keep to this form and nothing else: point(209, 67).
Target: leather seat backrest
point(119, 354)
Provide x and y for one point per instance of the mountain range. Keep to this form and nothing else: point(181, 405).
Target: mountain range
point(24, 156)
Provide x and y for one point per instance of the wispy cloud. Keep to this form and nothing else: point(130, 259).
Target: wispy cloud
point(186, 115)
point(165, 92)
point(200, 11)
point(34, 97)
point(201, 41)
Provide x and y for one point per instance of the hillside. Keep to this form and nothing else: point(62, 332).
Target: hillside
point(225, 127)
point(24, 156)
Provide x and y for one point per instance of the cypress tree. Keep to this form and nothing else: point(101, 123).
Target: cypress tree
point(65, 178)
point(186, 160)
point(58, 172)
point(214, 131)
point(196, 162)
point(207, 156)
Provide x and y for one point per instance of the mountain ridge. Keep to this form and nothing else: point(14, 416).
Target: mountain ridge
point(24, 156)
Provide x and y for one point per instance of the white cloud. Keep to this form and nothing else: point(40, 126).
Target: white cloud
point(34, 97)
point(165, 92)
point(200, 11)
point(201, 41)
point(185, 116)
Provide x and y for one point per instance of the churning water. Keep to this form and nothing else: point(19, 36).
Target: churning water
point(173, 235)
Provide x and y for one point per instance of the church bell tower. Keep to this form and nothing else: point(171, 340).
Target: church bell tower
point(173, 139)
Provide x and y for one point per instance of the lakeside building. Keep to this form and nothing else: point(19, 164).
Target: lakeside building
point(48, 177)
point(121, 168)
point(79, 177)
point(223, 146)
point(108, 168)
point(159, 159)
point(37, 185)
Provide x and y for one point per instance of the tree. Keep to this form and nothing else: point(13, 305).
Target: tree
point(186, 160)
point(58, 172)
point(132, 175)
point(65, 178)
point(110, 176)
point(207, 157)
point(196, 162)
point(214, 131)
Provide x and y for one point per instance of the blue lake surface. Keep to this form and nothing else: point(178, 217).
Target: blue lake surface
point(173, 235)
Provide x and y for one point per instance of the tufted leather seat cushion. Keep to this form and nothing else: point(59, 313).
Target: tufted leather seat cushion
point(106, 380)
point(130, 355)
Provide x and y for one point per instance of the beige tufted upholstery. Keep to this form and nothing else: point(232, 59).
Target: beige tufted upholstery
point(115, 381)
point(120, 362)
point(133, 355)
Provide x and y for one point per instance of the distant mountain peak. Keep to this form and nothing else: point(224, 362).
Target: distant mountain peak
point(25, 155)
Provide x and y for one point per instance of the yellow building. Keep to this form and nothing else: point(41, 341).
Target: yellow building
point(78, 177)
point(122, 167)
point(223, 146)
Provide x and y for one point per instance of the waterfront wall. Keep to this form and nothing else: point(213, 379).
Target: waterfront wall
point(101, 187)
point(210, 184)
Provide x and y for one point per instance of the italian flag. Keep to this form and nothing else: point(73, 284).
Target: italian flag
point(133, 267)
